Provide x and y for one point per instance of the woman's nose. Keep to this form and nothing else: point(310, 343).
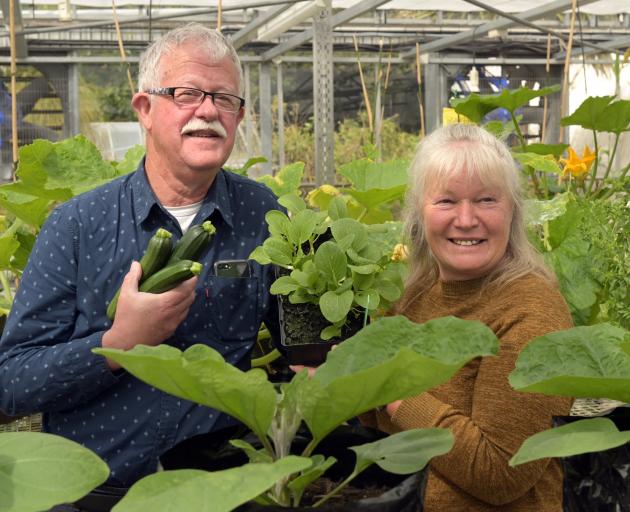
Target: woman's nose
point(466, 215)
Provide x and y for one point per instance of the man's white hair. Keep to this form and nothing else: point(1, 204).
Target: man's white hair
point(215, 44)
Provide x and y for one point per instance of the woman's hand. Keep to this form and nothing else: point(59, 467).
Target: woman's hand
point(297, 368)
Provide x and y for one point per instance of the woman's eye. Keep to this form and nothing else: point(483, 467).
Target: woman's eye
point(444, 201)
point(488, 200)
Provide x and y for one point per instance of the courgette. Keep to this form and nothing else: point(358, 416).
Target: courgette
point(193, 242)
point(170, 276)
point(155, 256)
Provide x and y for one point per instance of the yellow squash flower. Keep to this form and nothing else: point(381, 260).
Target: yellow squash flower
point(576, 166)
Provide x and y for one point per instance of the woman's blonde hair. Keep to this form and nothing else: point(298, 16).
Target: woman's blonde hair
point(472, 151)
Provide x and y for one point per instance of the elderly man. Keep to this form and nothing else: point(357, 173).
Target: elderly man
point(190, 106)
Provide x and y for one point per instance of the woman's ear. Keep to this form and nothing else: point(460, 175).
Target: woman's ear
point(141, 103)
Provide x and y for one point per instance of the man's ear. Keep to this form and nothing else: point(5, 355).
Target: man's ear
point(141, 103)
point(240, 116)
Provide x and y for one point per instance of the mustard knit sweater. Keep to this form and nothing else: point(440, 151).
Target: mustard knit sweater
point(489, 420)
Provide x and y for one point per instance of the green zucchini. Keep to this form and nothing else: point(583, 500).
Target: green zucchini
point(155, 256)
point(193, 242)
point(170, 276)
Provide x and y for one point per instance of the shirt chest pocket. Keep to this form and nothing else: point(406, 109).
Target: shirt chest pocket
point(231, 307)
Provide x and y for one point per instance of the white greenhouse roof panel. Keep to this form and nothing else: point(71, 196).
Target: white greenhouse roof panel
point(602, 7)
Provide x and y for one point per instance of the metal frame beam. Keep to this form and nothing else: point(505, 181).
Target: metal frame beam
point(337, 19)
point(244, 35)
point(469, 35)
point(611, 45)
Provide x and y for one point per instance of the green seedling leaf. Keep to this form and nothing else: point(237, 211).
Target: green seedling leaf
point(200, 374)
point(319, 467)
point(253, 454)
point(286, 181)
point(330, 332)
point(579, 362)
point(306, 278)
point(590, 114)
point(544, 163)
point(405, 452)
point(388, 289)
point(259, 255)
point(365, 269)
point(38, 471)
point(337, 208)
point(582, 436)
point(201, 491)
point(343, 228)
point(363, 372)
point(331, 262)
point(335, 306)
point(368, 299)
point(278, 223)
point(302, 226)
point(278, 251)
point(283, 286)
point(292, 202)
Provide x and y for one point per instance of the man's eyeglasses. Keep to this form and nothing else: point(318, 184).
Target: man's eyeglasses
point(191, 97)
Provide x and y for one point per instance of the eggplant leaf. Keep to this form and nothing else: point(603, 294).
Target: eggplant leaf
point(582, 436)
point(404, 452)
point(200, 374)
point(201, 491)
point(38, 471)
point(579, 362)
point(390, 359)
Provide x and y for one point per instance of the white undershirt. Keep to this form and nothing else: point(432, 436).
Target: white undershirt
point(184, 214)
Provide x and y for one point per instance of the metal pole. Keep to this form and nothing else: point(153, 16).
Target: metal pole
point(266, 124)
point(280, 87)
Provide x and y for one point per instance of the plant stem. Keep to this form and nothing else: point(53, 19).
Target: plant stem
point(612, 156)
point(596, 163)
point(335, 490)
point(519, 133)
point(266, 359)
point(6, 287)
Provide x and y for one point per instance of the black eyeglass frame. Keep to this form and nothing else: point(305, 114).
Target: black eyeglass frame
point(170, 91)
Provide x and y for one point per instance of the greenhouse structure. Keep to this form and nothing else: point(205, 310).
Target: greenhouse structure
point(382, 267)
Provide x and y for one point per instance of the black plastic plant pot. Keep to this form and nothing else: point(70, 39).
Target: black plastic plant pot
point(598, 481)
point(300, 328)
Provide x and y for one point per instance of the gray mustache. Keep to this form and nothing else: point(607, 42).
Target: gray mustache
point(195, 125)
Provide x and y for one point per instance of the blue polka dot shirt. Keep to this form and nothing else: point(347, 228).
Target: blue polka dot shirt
point(59, 315)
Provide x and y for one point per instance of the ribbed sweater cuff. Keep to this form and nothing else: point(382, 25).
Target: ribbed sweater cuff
point(417, 412)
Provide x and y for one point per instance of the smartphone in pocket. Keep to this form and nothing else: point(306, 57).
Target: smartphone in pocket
point(232, 268)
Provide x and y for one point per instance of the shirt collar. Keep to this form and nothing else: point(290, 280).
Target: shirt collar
point(217, 197)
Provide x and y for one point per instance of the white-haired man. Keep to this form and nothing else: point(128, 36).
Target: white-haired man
point(190, 106)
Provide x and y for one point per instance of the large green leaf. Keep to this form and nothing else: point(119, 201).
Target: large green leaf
point(200, 374)
point(543, 163)
point(220, 491)
point(589, 114)
point(541, 211)
point(476, 106)
point(73, 165)
point(366, 175)
point(582, 436)
point(579, 362)
point(390, 359)
point(286, 181)
point(547, 149)
point(404, 452)
point(602, 114)
point(8, 247)
point(31, 209)
point(131, 160)
point(38, 471)
point(377, 196)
